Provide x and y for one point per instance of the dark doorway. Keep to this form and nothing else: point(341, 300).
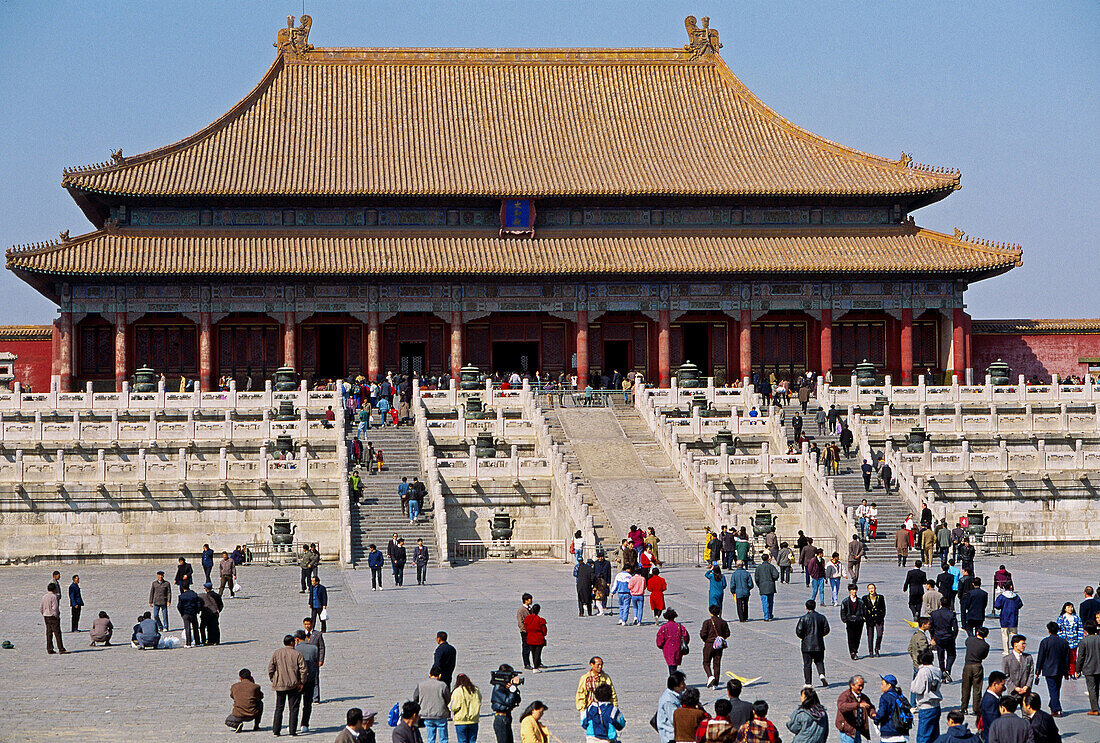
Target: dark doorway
point(412, 358)
point(331, 363)
point(697, 346)
point(616, 356)
point(515, 356)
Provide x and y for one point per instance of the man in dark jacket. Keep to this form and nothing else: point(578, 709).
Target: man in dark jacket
point(1043, 727)
point(991, 700)
point(445, 658)
point(726, 541)
point(318, 602)
point(957, 731)
point(408, 729)
point(1008, 728)
point(398, 557)
point(851, 613)
point(741, 711)
point(977, 650)
point(1089, 607)
point(874, 617)
point(584, 588)
point(420, 559)
point(185, 574)
point(1052, 662)
point(505, 698)
point(210, 632)
point(189, 605)
point(160, 597)
point(76, 603)
point(945, 584)
point(766, 575)
point(207, 560)
point(601, 568)
point(973, 605)
point(945, 633)
point(314, 637)
point(914, 583)
point(741, 587)
point(811, 630)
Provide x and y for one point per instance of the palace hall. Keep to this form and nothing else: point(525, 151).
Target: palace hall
point(552, 210)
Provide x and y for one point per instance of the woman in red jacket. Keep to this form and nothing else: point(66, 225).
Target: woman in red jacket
point(535, 627)
point(656, 586)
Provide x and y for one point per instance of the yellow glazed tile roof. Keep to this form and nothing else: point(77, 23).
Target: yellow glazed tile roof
point(224, 253)
point(497, 122)
point(26, 332)
point(1037, 327)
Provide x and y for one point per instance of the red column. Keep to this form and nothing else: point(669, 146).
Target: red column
point(582, 349)
point(664, 348)
point(120, 350)
point(958, 342)
point(746, 344)
point(374, 346)
point(65, 355)
point(206, 352)
point(969, 351)
point(290, 329)
point(906, 346)
point(55, 349)
point(456, 343)
point(826, 342)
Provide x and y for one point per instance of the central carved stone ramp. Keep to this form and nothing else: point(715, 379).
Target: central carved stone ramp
point(628, 490)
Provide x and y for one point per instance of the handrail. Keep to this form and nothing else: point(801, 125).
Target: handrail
point(432, 478)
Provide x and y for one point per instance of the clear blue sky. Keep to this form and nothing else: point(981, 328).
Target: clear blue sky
point(1005, 91)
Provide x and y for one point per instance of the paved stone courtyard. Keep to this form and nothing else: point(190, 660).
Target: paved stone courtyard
point(380, 644)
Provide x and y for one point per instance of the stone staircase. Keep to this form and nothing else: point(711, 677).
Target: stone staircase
point(660, 470)
point(378, 514)
point(605, 535)
point(892, 510)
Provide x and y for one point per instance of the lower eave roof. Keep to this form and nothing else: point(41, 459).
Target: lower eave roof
point(1036, 327)
point(904, 249)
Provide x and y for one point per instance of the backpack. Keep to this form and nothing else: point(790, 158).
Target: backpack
point(395, 715)
point(901, 715)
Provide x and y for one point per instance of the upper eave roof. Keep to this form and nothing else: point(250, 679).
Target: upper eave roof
point(213, 253)
point(505, 123)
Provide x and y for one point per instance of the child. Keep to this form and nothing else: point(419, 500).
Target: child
point(786, 557)
point(600, 586)
point(657, 587)
point(379, 462)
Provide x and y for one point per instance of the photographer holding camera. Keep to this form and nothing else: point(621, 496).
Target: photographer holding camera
point(505, 682)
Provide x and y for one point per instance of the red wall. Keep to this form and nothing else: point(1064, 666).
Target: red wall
point(33, 363)
point(1038, 355)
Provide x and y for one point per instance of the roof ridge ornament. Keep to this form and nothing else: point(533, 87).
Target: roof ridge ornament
point(117, 158)
point(294, 41)
point(702, 41)
point(905, 159)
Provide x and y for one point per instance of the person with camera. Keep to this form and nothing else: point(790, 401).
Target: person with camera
point(505, 682)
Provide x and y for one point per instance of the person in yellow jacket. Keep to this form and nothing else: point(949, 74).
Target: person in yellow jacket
point(465, 708)
point(531, 729)
point(589, 681)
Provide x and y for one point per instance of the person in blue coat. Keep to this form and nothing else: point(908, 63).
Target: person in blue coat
point(1008, 605)
point(884, 717)
point(76, 602)
point(741, 588)
point(318, 602)
point(717, 587)
point(375, 560)
point(207, 560)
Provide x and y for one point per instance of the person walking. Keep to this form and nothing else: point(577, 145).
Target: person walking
point(815, 573)
point(315, 638)
point(726, 542)
point(76, 603)
point(926, 693)
point(248, 705)
point(656, 585)
point(420, 559)
point(206, 559)
point(160, 596)
point(741, 588)
point(1008, 605)
point(901, 545)
point(305, 564)
point(991, 701)
point(1072, 631)
point(784, 562)
point(915, 581)
point(465, 706)
point(809, 722)
point(318, 603)
point(765, 577)
point(811, 630)
point(1008, 727)
point(375, 561)
point(834, 573)
point(504, 699)
point(1043, 728)
point(189, 605)
point(874, 617)
point(945, 634)
point(585, 577)
point(433, 695)
point(689, 717)
point(1018, 666)
point(977, 650)
point(1088, 666)
point(893, 717)
point(287, 672)
point(930, 601)
point(602, 720)
point(590, 681)
point(445, 658)
point(227, 575)
point(310, 655)
point(851, 614)
point(673, 640)
point(50, 609)
point(403, 495)
point(714, 633)
point(717, 588)
point(1052, 663)
point(972, 606)
point(856, 551)
point(185, 574)
point(536, 637)
point(886, 475)
point(854, 712)
point(636, 586)
point(398, 557)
